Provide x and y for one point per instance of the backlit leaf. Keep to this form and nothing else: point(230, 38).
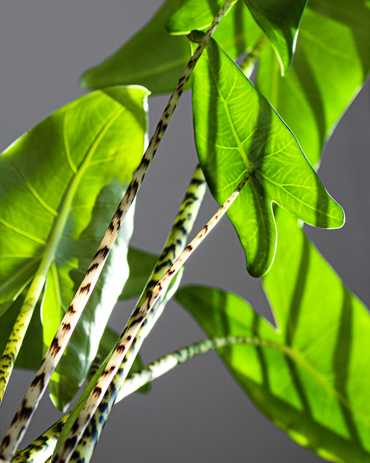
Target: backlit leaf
point(237, 130)
point(60, 185)
point(310, 374)
point(331, 63)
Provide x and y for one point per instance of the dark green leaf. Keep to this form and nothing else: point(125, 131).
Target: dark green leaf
point(152, 58)
point(310, 375)
point(60, 184)
point(280, 21)
point(236, 129)
point(141, 265)
point(195, 14)
point(331, 63)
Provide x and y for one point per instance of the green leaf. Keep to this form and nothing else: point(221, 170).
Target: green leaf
point(331, 63)
point(280, 21)
point(309, 376)
point(152, 58)
point(60, 184)
point(195, 14)
point(237, 130)
point(140, 264)
point(142, 61)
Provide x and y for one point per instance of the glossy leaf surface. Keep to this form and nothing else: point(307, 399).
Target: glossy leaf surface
point(280, 21)
point(331, 63)
point(309, 375)
point(60, 185)
point(237, 130)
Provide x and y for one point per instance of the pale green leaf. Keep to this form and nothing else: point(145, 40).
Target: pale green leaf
point(68, 174)
point(237, 130)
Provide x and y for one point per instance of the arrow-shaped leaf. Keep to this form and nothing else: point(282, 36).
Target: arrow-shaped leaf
point(60, 183)
point(309, 375)
point(237, 130)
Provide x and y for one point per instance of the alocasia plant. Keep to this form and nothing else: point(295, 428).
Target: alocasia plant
point(61, 183)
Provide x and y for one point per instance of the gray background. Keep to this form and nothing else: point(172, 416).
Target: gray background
point(196, 412)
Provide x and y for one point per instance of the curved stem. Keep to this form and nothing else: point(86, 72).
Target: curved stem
point(40, 382)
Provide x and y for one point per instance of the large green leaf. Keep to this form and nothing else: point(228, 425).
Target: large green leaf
point(60, 184)
point(236, 130)
point(280, 21)
point(152, 58)
point(331, 63)
point(310, 375)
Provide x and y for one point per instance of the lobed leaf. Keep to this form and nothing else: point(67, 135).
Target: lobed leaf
point(236, 130)
point(310, 374)
point(59, 184)
point(334, 37)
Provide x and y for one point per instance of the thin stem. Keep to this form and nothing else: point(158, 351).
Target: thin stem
point(249, 62)
point(41, 449)
point(174, 245)
point(130, 332)
point(40, 382)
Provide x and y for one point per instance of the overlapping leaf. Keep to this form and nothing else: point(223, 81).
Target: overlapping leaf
point(331, 63)
point(279, 20)
point(68, 174)
point(142, 60)
point(237, 130)
point(310, 375)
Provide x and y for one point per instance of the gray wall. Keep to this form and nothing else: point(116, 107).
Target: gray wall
point(196, 412)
